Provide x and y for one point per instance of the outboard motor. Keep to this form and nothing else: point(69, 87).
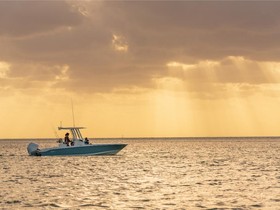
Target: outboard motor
point(33, 149)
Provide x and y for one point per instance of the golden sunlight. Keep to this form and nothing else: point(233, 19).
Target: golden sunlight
point(180, 65)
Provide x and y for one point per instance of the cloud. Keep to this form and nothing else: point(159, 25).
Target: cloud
point(108, 45)
point(22, 18)
point(226, 77)
point(231, 69)
point(199, 29)
point(119, 43)
point(4, 69)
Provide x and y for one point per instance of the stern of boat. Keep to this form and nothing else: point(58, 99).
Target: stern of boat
point(33, 149)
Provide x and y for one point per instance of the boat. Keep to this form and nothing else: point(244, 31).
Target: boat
point(79, 146)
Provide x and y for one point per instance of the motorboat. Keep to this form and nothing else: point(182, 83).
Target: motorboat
point(78, 146)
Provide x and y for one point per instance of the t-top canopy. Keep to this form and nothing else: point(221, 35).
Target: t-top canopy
point(69, 128)
point(75, 132)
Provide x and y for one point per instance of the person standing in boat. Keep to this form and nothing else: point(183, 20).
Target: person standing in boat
point(66, 139)
point(86, 141)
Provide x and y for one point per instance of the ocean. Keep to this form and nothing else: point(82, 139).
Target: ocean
point(158, 173)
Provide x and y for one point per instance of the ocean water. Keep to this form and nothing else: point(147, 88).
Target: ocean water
point(229, 173)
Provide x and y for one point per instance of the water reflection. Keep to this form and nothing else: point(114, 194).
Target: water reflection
point(147, 174)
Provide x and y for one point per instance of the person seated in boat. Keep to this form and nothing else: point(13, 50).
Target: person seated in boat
point(86, 141)
point(66, 139)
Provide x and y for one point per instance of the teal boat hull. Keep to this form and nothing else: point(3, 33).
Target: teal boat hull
point(88, 150)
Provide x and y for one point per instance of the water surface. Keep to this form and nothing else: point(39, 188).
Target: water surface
point(219, 173)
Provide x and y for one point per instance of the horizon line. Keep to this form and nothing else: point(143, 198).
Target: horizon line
point(168, 137)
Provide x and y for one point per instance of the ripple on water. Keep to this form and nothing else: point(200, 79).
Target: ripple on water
point(162, 174)
point(12, 202)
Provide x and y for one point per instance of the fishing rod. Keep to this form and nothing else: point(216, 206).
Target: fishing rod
point(59, 140)
point(73, 113)
point(55, 132)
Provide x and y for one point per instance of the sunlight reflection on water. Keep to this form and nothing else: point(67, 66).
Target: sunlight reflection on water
point(147, 174)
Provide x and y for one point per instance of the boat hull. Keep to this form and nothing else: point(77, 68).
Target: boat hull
point(88, 150)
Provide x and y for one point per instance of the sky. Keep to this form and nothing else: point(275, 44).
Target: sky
point(140, 68)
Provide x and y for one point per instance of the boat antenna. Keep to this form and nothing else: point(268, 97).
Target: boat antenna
point(73, 113)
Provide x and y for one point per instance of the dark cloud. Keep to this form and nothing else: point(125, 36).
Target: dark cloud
point(22, 18)
point(79, 34)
